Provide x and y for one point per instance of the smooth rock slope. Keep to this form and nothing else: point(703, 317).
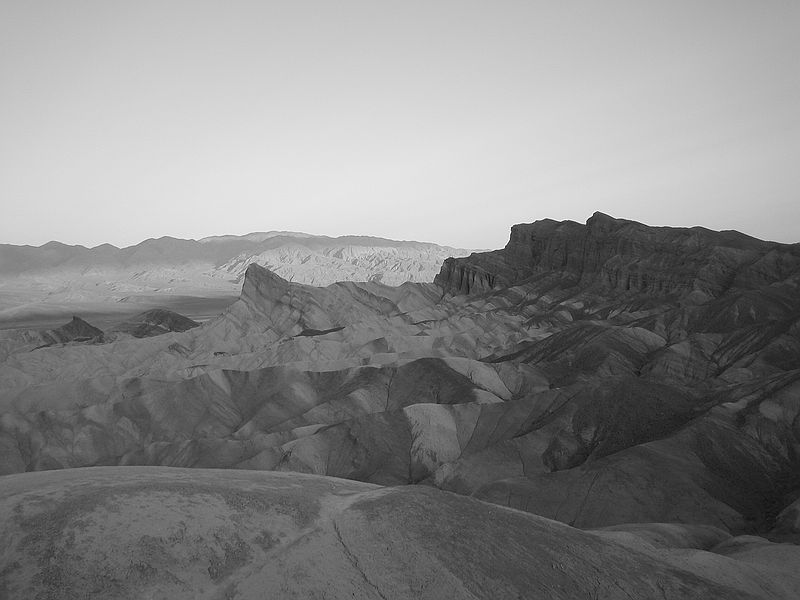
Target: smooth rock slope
point(175, 533)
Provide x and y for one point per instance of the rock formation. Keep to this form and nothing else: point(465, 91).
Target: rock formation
point(641, 381)
point(155, 322)
point(77, 330)
point(142, 532)
point(54, 280)
point(618, 256)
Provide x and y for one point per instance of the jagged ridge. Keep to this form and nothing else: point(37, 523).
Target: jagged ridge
point(617, 255)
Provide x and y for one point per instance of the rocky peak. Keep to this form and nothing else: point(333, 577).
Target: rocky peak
point(77, 330)
point(155, 322)
point(77, 327)
point(260, 283)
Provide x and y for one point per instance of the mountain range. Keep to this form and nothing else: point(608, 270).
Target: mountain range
point(39, 285)
point(597, 410)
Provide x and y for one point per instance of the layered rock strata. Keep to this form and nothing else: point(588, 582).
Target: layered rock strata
point(542, 383)
point(619, 256)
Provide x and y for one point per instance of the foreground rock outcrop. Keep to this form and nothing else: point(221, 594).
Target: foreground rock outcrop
point(154, 532)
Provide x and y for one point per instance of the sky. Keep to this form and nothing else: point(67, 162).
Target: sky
point(443, 121)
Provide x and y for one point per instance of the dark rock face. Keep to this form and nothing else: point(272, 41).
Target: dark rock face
point(620, 256)
point(155, 322)
point(681, 352)
point(77, 330)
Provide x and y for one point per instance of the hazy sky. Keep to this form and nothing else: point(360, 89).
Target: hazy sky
point(435, 120)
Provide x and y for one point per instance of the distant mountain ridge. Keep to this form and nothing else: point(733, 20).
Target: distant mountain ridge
point(256, 236)
point(56, 273)
point(216, 250)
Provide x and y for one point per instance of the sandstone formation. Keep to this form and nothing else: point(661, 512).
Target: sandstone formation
point(640, 382)
point(619, 256)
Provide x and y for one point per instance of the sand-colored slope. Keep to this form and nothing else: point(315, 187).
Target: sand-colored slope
point(174, 533)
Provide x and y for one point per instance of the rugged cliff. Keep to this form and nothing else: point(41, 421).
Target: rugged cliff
point(617, 255)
